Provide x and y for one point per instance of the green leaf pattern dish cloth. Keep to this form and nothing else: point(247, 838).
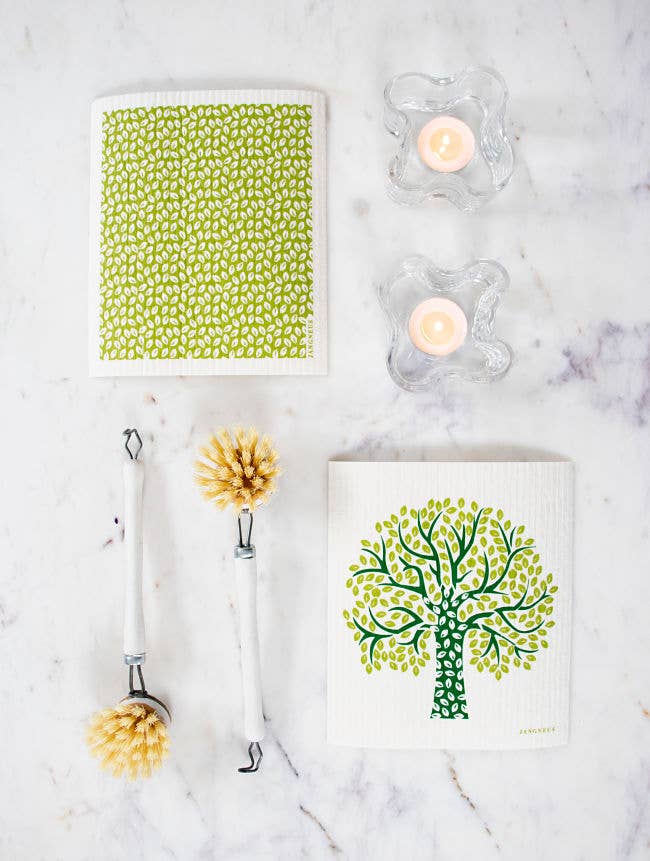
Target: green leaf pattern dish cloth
point(207, 234)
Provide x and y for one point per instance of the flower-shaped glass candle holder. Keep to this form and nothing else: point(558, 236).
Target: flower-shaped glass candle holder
point(442, 322)
point(452, 137)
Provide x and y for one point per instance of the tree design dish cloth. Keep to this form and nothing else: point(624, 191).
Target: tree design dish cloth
point(449, 604)
point(207, 233)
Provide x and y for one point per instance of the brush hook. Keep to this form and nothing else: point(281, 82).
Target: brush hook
point(256, 755)
point(128, 433)
point(245, 532)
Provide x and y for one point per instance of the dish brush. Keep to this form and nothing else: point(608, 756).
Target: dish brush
point(132, 738)
point(239, 468)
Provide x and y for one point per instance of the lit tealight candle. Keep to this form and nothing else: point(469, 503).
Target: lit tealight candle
point(438, 326)
point(446, 144)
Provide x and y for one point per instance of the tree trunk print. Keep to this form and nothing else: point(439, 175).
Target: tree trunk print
point(449, 695)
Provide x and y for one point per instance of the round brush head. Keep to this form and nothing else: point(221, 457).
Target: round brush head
point(130, 739)
point(237, 469)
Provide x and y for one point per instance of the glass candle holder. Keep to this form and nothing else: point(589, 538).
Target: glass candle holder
point(441, 322)
point(452, 137)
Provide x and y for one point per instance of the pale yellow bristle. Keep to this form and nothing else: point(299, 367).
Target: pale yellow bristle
point(237, 469)
point(130, 739)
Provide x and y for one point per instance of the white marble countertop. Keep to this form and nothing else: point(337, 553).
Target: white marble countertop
point(572, 229)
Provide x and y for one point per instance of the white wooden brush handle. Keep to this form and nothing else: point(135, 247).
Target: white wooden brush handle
point(246, 580)
point(134, 638)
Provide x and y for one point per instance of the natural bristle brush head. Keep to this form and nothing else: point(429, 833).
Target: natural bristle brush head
point(130, 739)
point(238, 468)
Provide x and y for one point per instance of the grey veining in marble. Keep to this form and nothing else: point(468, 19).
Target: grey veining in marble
point(572, 230)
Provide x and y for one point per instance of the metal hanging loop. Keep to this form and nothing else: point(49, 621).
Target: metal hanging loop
point(256, 756)
point(128, 433)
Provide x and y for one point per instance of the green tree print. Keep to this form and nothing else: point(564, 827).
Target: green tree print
point(206, 232)
point(458, 579)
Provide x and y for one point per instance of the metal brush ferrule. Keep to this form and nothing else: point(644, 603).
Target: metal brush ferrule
point(244, 549)
point(135, 660)
point(141, 695)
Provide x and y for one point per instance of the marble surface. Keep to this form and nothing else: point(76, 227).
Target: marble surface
point(572, 229)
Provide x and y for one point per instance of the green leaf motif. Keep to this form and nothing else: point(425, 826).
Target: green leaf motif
point(206, 232)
